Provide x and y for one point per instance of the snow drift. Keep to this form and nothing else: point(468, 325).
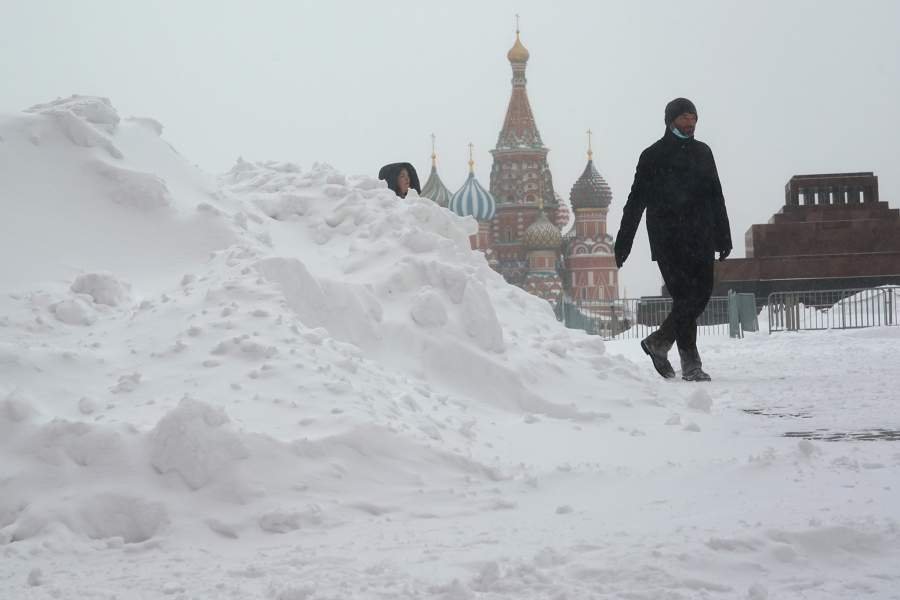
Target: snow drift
point(208, 337)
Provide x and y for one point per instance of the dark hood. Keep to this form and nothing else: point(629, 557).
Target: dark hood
point(389, 173)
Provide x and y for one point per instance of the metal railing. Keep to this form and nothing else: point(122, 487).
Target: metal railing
point(635, 318)
point(834, 309)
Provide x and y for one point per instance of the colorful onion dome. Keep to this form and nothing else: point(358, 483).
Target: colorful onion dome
point(472, 199)
point(542, 234)
point(590, 190)
point(434, 188)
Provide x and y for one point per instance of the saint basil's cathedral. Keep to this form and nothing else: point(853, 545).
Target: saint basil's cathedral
point(523, 225)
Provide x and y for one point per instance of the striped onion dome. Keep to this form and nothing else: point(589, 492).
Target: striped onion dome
point(435, 189)
point(542, 234)
point(473, 199)
point(591, 190)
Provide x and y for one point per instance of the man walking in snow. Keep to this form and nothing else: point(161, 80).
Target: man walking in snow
point(677, 182)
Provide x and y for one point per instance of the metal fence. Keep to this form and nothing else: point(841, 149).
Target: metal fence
point(834, 309)
point(635, 318)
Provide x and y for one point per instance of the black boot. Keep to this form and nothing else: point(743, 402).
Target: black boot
point(658, 351)
point(691, 367)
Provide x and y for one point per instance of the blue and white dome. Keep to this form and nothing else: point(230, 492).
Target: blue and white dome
point(472, 199)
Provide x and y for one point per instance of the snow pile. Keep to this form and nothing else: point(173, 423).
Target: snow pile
point(399, 280)
point(291, 375)
point(193, 442)
point(102, 288)
point(85, 120)
point(120, 200)
point(331, 318)
point(95, 112)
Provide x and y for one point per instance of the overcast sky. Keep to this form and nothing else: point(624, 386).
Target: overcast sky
point(781, 87)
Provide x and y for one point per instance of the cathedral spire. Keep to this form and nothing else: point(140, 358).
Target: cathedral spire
point(518, 53)
point(519, 129)
point(590, 150)
point(433, 154)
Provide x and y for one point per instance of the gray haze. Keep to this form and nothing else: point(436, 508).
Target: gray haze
point(781, 87)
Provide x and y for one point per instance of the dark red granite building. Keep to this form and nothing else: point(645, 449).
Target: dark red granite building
point(832, 233)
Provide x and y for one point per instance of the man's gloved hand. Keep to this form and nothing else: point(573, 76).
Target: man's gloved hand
point(621, 255)
point(724, 254)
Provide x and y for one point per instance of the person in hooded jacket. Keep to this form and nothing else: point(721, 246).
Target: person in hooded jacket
point(676, 181)
point(400, 177)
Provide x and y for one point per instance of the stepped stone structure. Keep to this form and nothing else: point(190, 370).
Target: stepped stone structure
point(832, 233)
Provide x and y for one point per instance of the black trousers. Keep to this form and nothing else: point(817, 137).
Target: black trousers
point(689, 280)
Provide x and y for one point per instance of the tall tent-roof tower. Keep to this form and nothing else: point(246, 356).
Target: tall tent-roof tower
point(521, 180)
point(434, 188)
point(520, 174)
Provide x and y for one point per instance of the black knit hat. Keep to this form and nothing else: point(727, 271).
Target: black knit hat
point(678, 107)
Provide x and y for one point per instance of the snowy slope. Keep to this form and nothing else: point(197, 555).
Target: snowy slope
point(290, 383)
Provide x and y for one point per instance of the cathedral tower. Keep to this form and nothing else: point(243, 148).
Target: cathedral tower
point(590, 261)
point(542, 241)
point(520, 176)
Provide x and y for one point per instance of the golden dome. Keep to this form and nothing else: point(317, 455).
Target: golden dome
point(542, 234)
point(518, 53)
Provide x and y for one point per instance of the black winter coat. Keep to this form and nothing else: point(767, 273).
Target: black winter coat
point(677, 182)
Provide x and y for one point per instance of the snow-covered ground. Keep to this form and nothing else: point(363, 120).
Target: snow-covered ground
point(287, 383)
